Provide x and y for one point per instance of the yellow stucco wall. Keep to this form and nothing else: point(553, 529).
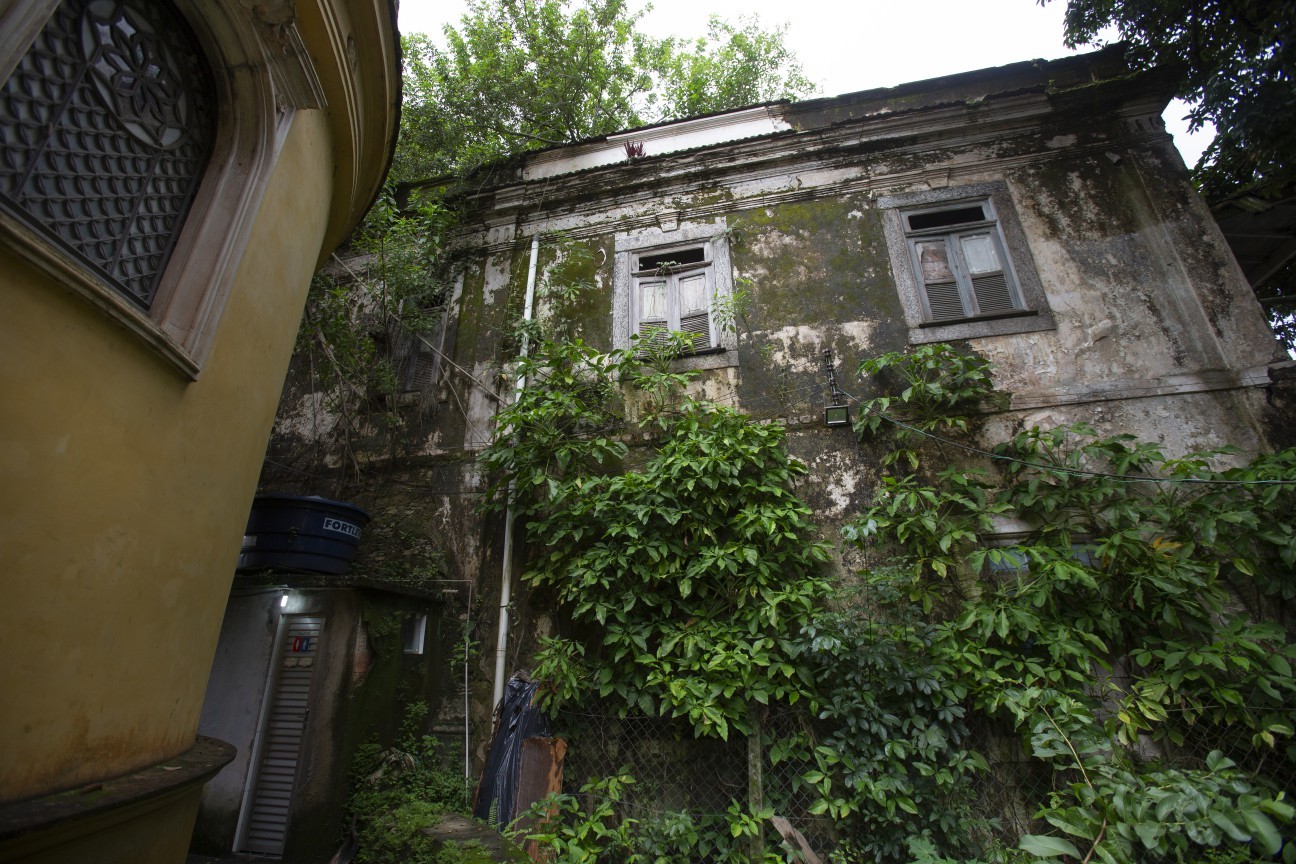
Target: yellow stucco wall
point(126, 489)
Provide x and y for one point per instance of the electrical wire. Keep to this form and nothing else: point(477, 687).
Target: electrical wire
point(1078, 472)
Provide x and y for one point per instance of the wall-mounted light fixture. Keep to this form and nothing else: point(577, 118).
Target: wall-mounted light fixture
point(283, 600)
point(836, 409)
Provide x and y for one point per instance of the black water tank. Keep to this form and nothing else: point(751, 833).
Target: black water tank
point(301, 533)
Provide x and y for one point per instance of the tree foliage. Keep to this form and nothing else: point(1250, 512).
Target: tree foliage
point(357, 315)
point(732, 66)
point(1238, 65)
point(518, 75)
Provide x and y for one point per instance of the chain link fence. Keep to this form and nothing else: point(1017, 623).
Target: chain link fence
point(677, 773)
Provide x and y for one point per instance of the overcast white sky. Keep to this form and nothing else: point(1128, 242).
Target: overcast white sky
point(849, 46)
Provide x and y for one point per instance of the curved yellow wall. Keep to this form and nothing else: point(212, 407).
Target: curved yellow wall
point(126, 489)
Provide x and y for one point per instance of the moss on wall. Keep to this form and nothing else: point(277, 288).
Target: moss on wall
point(817, 276)
point(576, 287)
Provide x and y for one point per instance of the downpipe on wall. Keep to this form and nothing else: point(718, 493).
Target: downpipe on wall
point(506, 571)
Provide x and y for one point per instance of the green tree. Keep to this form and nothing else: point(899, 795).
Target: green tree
point(521, 74)
point(729, 67)
point(1237, 60)
point(517, 75)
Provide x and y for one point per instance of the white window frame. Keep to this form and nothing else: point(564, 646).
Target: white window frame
point(671, 276)
point(415, 633)
point(713, 239)
point(1029, 310)
point(260, 83)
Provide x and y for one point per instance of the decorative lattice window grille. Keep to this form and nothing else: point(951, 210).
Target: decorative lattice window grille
point(106, 127)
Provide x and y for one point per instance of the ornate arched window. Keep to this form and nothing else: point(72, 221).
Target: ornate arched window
point(107, 124)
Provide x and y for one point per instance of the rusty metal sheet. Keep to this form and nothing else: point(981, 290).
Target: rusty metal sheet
point(540, 774)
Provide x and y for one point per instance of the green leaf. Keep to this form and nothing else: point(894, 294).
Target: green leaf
point(1047, 846)
point(1262, 831)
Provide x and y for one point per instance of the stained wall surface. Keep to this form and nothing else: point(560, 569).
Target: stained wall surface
point(1141, 321)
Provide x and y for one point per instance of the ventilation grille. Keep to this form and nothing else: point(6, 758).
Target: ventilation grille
point(698, 327)
point(283, 732)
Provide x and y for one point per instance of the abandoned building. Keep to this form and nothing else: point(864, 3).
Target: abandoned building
point(1036, 213)
point(173, 173)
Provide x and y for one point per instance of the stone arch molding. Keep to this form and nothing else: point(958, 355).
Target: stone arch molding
point(263, 75)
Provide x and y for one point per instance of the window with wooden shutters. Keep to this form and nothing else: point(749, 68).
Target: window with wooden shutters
point(962, 263)
point(672, 278)
point(958, 256)
point(673, 291)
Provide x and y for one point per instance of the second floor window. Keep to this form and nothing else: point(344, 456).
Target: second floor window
point(673, 291)
point(958, 258)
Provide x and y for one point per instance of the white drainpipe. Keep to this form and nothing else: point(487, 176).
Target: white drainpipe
point(506, 571)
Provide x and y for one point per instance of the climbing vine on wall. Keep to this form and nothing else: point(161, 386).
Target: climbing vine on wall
point(363, 319)
point(1135, 640)
point(696, 569)
point(1132, 640)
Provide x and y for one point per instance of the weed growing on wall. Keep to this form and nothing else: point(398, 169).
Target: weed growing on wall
point(363, 320)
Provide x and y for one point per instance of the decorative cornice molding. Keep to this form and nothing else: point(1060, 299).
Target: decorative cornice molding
point(296, 83)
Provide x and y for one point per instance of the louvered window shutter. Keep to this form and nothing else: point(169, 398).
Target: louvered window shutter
point(695, 309)
point(989, 282)
point(944, 303)
point(962, 273)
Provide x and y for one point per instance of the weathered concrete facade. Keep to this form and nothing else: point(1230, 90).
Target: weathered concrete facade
point(1130, 312)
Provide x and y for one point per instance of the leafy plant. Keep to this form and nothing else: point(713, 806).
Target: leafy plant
point(517, 75)
point(358, 323)
point(398, 792)
point(587, 828)
point(1111, 639)
point(583, 829)
point(929, 385)
point(894, 760)
point(698, 571)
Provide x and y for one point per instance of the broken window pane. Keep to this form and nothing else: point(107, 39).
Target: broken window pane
point(933, 259)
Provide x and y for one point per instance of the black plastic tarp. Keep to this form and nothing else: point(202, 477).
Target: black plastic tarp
point(519, 720)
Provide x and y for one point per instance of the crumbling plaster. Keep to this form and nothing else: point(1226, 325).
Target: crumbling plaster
point(1152, 328)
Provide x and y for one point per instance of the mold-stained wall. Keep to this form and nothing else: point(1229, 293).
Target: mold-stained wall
point(1142, 321)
